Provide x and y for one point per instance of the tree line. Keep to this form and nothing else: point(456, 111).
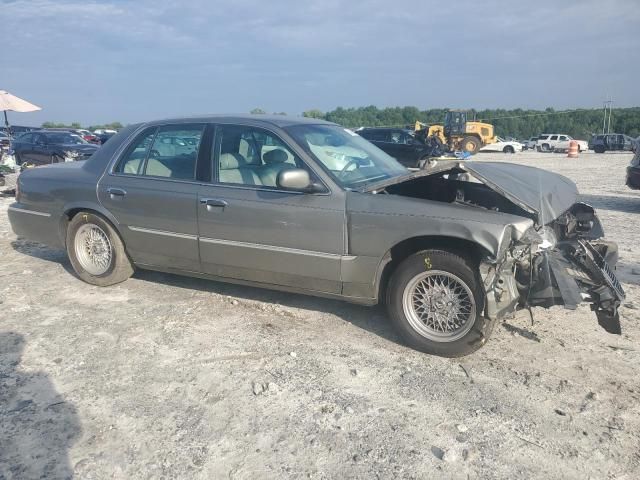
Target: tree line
point(517, 123)
point(75, 125)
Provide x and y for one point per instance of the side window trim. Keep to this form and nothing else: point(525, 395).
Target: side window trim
point(142, 168)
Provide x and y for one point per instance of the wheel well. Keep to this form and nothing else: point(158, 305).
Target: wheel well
point(69, 214)
point(470, 251)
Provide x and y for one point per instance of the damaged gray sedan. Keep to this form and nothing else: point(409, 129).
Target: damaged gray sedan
point(305, 206)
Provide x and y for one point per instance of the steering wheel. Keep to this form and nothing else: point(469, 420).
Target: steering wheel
point(345, 169)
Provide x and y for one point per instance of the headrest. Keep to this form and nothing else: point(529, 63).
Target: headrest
point(275, 156)
point(231, 161)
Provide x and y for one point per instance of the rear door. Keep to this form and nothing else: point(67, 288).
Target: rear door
point(152, 193)
point(249, 229)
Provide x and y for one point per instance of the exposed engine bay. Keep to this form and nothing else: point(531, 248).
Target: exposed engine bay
point(561, 260)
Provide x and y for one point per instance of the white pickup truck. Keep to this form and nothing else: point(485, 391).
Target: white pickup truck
point(553, 142)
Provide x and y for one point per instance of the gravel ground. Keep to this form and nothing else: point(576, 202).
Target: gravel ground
point(170, 377)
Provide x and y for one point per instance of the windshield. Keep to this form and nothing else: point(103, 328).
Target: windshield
point(65, 139)
point(351, 160)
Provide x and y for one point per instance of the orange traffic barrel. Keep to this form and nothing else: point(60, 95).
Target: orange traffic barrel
point(573, 149)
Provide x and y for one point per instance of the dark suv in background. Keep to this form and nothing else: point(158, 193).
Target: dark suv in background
point(611, 142)
point(400, 143)
point(42, 147)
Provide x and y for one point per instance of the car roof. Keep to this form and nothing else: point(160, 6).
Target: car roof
point(47, 130)
point(255, 119)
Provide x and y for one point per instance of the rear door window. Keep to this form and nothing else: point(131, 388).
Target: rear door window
point(169, 151)
point(174, 152)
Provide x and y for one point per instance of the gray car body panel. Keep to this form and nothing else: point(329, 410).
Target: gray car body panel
point(330, 244)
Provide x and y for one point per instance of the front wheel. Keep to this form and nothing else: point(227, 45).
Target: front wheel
point(435, 300)
point(509, 149)
point(471, 144)
point(96, 252)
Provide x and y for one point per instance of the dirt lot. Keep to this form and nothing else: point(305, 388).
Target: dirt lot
point(171, 377)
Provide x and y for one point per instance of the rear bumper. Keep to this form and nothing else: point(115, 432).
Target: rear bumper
point(34, 225)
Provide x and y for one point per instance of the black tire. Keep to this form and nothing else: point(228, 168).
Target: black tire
point(508, 149)
point(119, 268)
point(471, 144)
point(545, 147)
point(598, 149)
point(407, 272)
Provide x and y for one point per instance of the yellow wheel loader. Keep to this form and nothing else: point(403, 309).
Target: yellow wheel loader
point(459, 134)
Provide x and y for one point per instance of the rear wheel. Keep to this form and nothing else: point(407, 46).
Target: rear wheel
point(509, 149)
point(435, 301)
point(96, 252)
point(471, 144)
point(598, 149)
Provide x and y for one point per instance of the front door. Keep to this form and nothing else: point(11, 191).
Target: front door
point(250, 229)
point(152, 193)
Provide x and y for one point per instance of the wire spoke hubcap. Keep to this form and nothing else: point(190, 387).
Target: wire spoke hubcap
point(439, 306)
point(93, 249)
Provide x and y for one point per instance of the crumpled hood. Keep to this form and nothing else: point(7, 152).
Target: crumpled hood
point(540, 192)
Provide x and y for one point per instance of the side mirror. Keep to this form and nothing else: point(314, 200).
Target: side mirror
point(296, 179)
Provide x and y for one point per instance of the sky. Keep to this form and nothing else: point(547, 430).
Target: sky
point(117, 60)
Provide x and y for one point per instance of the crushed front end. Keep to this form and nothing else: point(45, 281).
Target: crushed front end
point(564, 262)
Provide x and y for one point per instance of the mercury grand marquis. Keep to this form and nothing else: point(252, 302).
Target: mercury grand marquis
point(307, 206)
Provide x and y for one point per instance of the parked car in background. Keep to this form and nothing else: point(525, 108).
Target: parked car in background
point(42, 147)
point(563, 145)
point(400, 143)
point(557, 142)
point(85, 134)
point(101, 131)
point(304, 205)
point(611, 142)
point(17, 130)
point(103, 137)
point(633, 170)
point(529, 144)
point(502, 145)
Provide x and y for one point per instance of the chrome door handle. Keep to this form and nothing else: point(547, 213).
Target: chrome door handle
point(116, 192)
point(213, 203)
